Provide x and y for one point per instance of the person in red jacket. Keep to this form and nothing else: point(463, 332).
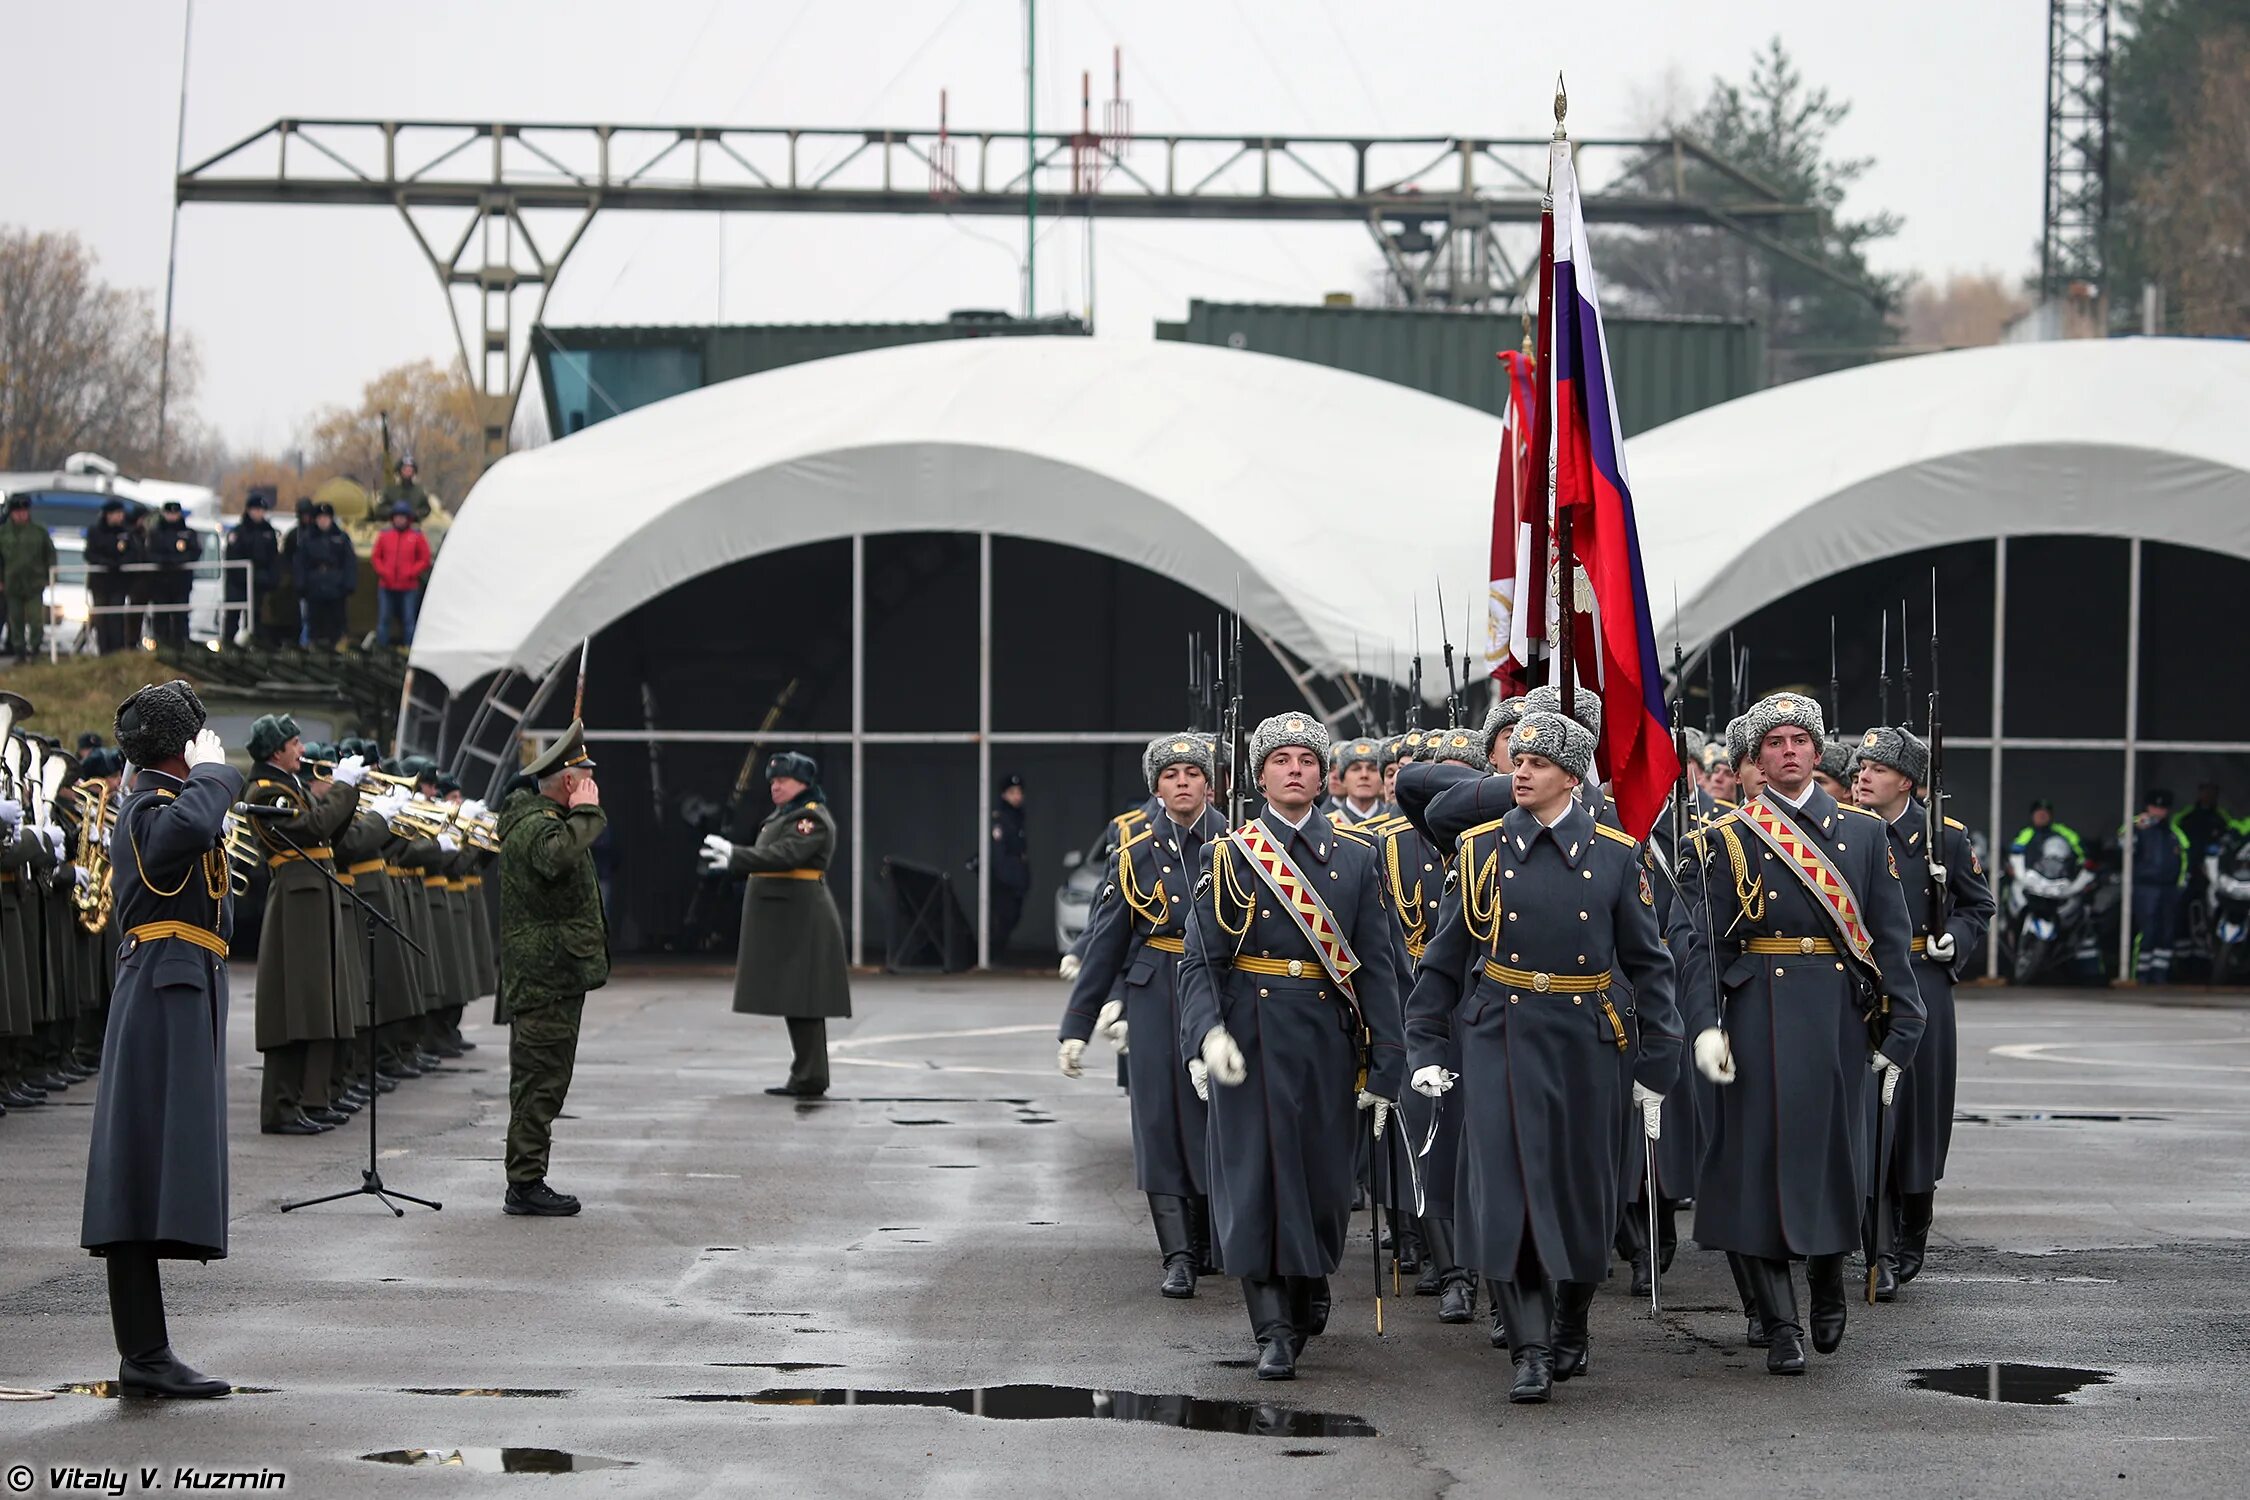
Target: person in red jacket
point(402, 562)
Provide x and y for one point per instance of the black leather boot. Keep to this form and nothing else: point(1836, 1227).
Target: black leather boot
point(1437, 1258)
point(1631, 1241)
point(1458, 1302)
point(1268, 1301)
point(1916, 1211)
point(1886, 1279)
point(1308, 1307)
point(1530, 1311)
point(146, 1364)
point(1776, 1295)
point(1206, 1246)
point(1667, 1233)
point(1824, 1279)
point(1499, 1314)
point(1746, 1289)
point(1175, 1238)
point(1573, 1301)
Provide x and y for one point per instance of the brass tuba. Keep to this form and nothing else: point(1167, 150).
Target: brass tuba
point(96, 816)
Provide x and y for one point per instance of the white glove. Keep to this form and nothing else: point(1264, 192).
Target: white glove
point(1938, 874)
point(1068, 969)
point(11, 813)
point(1714, 1059)
point(390, 804)
point(717, 850)
point(474, 809)
point(78, 872)
point(1111, 1024)
point(54, 837)
point(1199, 1077)
point(1067, 1056)
point(448, 844)
point(1380, 1105)
point(1652, 1111)
point(205, 750)
point(1223, 1057)
point(1432, 1081)
point(1890, 1072)
point(1940, 948)
point(350, 771)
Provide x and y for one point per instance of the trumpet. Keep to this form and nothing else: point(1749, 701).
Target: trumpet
point(95, 817)
point(243, 854)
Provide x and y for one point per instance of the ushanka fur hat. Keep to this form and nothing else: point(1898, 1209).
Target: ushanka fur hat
point(1457, 744)
point(157, 722)
point(1836, 757)
point(1185, 749)
point(1550, 736)
point(1904, 752)
point(1547, 699)
point(1282, 730)
point(1779, 711)
point(1500, 718)
point(269, 732)
point(1349, 753)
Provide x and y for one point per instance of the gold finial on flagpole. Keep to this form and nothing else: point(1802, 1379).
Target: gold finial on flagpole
point(1562, 105)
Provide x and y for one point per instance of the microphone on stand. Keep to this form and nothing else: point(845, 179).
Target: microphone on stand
point(264, 810)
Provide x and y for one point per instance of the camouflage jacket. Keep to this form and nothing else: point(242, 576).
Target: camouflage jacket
point(554, 940)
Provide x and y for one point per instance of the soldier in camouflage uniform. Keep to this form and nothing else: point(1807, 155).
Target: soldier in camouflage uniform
point(554, 947)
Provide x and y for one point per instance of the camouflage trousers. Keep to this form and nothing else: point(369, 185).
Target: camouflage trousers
point(542, 1050)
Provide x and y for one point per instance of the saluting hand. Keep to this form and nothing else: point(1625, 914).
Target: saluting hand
point(586, 794)
point(204, 750)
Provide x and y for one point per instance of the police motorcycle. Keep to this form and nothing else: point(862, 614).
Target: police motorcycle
point(2051, 901)
point(2227, 875)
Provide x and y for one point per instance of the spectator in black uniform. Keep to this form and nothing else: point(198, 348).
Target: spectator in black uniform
point(175, 548)
point(253, 541)
point(112, 545)
point(1011, 864)
point(327, 572)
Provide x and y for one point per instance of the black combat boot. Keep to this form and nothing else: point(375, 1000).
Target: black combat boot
point(1458, 1302)
point(1308, 1307)
point(1175, 1238)
point(1746, 1289)
point(146, 1364)
point(1916, 1211)
point(539, 1200)
point(1776, 1295)
point(1499, 1313)
point(1437, 1258)
point(1268, 1301)
point(1530, 1311)
point(1573, 1301)
point(1206, 1245)
point(1824, 1279)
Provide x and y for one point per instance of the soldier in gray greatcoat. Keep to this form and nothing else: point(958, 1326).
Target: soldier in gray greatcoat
point(1127, 988)
point(1820, 1015)
point(1893, 768)
point(156, 1170)
point(1547, 907)
point(791, 962)
point(1289, 1004)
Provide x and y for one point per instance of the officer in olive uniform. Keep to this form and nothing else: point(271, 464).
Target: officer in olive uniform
point(1547, 907)
point(1950, 902)
point(554, 947)
point(1815, 989)
point(791, 961)
point(1127, 988)
point(1289, 1004)
point(301, 1005)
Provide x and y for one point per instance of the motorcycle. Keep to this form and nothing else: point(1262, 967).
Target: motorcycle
point(2051, 926)
point(2230, 914)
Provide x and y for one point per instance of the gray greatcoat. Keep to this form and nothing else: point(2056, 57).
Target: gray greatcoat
point(1924, 1106)
point(1151, 886)
point(299, 962)
point(156, 1171)
point(1414, 884)
point(791, 961)
point(1790, 1157)
point(19, 982)
point(1543, 1094)
point(1283, 1143)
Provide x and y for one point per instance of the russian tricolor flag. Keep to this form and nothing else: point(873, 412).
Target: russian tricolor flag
point(1588, 454)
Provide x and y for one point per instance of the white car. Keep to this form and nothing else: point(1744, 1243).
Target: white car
point(68, 500)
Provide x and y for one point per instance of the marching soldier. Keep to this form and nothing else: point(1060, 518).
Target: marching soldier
point(1949, 901)
point(156, 1171)
point(1799, 943)
point(300, 1012)
point(1359, 774)
point(554, 947)
point(791, 961)
point(1528, 991)
point(1127, 988)
point(1300, 1035)
point(1834, 773)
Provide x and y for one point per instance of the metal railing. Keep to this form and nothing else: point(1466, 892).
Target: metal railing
point(71, 614)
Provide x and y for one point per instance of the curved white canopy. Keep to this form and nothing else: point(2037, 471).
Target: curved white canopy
point(1333, 500)
point(1742, 504)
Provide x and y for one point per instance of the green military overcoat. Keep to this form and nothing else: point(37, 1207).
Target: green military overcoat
point(791, 962)
point(300, 962)
point(554, 939)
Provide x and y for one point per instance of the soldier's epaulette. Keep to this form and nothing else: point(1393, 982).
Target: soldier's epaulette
point(1957, 823)
point(808, 807)
point(1384, 827)
point(1124, 821)
point(1131, 838)
point(1617, 834)
point(1355, 835)
point(1491, 827)
point(1723, 802)
point(1863, 812)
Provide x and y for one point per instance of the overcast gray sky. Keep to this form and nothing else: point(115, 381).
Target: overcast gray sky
point(294, 308)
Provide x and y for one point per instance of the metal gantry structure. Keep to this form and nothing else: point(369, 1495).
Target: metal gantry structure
point(470, 192)
point(2076, 217)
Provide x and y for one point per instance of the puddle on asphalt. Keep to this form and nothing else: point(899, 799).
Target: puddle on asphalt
point(2015, 1385)
point(107, 1389)
point(498, 1460)
point(784, 1366)
point(1050, 1403)
point(485, 1390)
point(921, 1122)
point(2049, 1117)
point(953, 1166)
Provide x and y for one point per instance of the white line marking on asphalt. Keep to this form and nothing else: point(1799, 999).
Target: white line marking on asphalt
point(934, 1036)
point(2039, 1052)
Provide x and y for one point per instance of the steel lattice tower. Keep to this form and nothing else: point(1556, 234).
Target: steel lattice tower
point(2077, 201)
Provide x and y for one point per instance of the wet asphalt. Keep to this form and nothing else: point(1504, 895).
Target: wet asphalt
point(957, 1220)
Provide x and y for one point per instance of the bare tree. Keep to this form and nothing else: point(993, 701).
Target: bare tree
point(2196, 212)
point(1967, 311)
point(79, 362)
point(427, 410)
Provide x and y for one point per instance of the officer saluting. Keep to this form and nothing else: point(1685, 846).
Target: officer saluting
point(1547, 907)
point(1132, 947)
point(1287, 995)
point(1894, 766)
point(1807, 970)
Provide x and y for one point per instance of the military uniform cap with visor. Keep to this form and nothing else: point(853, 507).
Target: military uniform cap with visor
point(568, 753)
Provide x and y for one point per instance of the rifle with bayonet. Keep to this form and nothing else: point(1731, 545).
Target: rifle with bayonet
point(1940, 903)
point(1445, 639)
point(1883, 675)
point(1835, 690)
point(1906, 665)
point(1238, 771)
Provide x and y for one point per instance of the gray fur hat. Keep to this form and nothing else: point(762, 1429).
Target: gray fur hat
point(1547, 699)
point(1696, 742)
point(1457, 744)
point(157, 722)
point(1779, 711)
point(1566, 742)
point(1738, 748)
point(1349, 753)
point(1836, 757)
point(1272, 734)
point(1184, 749)
point(1503, 716)
point(1904, 752)
point(1394, 751)
point(269, 732)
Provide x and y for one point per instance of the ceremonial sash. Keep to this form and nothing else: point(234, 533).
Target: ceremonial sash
point(1817, 874)
point(1280, 875)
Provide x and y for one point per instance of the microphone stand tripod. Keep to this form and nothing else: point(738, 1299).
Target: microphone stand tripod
point(371, 1180)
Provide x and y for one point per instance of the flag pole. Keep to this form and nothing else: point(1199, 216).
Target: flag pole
point(1563, 666)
